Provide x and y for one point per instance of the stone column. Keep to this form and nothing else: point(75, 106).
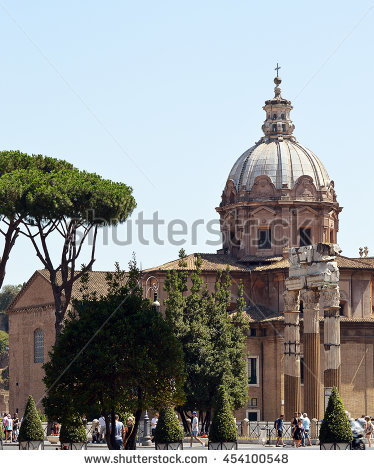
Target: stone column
point(331, 334)
point(292, 394)
point(311, 342)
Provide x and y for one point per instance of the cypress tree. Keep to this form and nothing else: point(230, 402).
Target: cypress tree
point(335, 425)
point(72, 430)
point(31, 428)
point(223, 427)
point(168, 429)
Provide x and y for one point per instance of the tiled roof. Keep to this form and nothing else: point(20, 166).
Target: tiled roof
point(259, 313)
point(96, 282)
point(259, 259)
point(210, 262)
point(343, 263)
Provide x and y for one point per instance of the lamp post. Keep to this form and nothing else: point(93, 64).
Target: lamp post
point(153, 287)
point(146, 442)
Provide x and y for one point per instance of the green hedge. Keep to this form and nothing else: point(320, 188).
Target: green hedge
point(335, 425)
point(223, 427)
point(31, 428)
point(72, 430)
point(168, 428)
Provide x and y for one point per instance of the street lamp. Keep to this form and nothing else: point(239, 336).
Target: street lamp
point(152, 287)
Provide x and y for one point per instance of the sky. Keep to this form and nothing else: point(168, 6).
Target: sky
point(166, 95)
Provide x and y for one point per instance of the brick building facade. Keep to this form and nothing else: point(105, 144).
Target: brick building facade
point(278, 195)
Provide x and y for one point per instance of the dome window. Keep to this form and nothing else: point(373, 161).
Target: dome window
point(274, 128)
point(264, 239)
point(282, 116)
point(284, 127)
point(274, 117)
point(305, 237)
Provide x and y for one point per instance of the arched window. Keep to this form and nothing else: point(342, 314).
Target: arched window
point(38, 346)
point(282, 116)
point(274, 117)
point(274, 128)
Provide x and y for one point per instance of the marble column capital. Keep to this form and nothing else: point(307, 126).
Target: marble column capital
point(291, 301)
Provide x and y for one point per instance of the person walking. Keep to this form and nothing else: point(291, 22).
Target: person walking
point(306, 426)
point(293, 425)
point(15, 427)
point(118, 433)
point(129, 442)
point(194, 430)
point(368, 429)
point(9, 428)
point(298, 433)
point(154, 424)
point(102, 428)
point(279, 432)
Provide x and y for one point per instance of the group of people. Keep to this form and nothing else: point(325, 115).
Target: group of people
point(10, 427)
point(124, 436)
point(363, 425)
point(300, 430)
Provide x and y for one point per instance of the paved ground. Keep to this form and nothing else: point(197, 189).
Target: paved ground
point(195, 446)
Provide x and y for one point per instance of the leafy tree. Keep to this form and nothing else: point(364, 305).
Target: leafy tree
point(41, 196)
point(7, 294)
point(213, 340)
point(17, 171)
point(335, 425)
point(223, 427)
point(31, 428)
point(5, 378)
point(115, 351)
point(4, 348)
point(168, 429)
point(72, 430)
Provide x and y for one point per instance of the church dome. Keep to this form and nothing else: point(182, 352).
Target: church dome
point(278, 154)
point(282, 160)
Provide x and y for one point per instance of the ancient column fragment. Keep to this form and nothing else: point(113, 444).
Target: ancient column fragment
point(292, 393)
point(311, 342)
point(332, 372)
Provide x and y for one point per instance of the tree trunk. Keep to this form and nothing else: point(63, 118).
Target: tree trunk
point(185, 423)
point(107, 430)
point(206, 423)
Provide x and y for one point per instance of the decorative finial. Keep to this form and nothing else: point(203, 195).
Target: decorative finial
point(366, 251)
point(277, 68)
point(361, 252)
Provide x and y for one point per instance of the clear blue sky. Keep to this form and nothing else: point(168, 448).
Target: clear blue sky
point(166, 95)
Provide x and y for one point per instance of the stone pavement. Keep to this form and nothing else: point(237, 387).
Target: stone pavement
point(195, 446)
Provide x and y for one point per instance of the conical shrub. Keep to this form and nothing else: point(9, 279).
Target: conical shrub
point(168, 429)
point(72, 430)
point(223, 427)
point(31, 428)
point(335, 425)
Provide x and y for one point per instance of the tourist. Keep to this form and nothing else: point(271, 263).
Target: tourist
point(118, 433)
point(129, 442)
point(194, 430)
point(102, 428)
point(9, 428)
point(294, 424)
point(298, 433)
point(15, 427)
point(279, 432)
point(154, 424)
point(362, 422)
point(368, 429)
point(306, 426)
